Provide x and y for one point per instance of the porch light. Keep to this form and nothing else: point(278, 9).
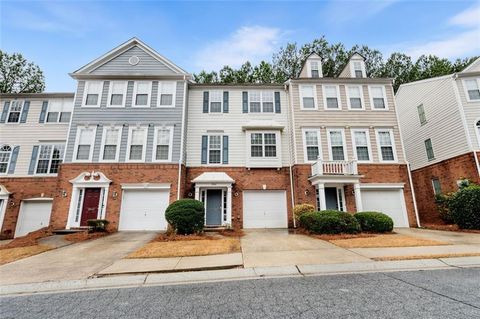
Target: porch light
point(64, 193)
point(307, 192)
point(114, 195)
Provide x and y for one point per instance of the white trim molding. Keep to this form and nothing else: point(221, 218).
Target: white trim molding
point(170, 144)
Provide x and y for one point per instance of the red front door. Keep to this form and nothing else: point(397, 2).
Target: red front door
point(91, 200)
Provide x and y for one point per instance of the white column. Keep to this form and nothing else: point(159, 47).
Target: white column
point(358, 197)
point(197, 192)
point(229, 205)
point(321, 196)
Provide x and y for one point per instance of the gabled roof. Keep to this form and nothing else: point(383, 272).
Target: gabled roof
point(311, 55)
point(349, 59)
point(471, 66)
point(123, 48)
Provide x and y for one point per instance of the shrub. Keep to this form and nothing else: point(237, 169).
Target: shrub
point(329, 222)
point(374, 222)
point(186, 216)
point(465, 207)
point(299, 210)
point(442, 201)
point(98, 225)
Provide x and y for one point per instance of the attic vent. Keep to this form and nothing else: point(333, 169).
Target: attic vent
point(133, 60)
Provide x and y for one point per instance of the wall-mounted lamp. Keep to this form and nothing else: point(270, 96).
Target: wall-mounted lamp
point(236, 194)
point(64, 193)
point(114, 195)
point(190, 194)
point(307, 192)
point(12, 203)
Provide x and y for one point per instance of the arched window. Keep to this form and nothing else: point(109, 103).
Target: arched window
point(5, 155)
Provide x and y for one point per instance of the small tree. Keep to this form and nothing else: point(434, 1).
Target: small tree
point(186, 216)
point(17, 75)
point(465, 207)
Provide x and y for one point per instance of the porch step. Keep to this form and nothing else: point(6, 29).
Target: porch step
point(214, 228)
point(70, 231)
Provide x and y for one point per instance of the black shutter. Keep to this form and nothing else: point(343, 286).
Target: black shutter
point(43, 113)
point(33, 160)
point(225, 102)
point(26, 107)
point(204, 149)
point(245, 102)
point(278, 108)
point(205, 102)
point(6, 106)
point(13, 160)
point(225, 149)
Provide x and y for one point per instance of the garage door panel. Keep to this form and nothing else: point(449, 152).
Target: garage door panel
point(390, 202)
point(33, 216)
point(144, 210)
point(264, 209)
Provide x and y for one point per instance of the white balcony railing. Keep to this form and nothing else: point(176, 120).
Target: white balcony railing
point(321, 167)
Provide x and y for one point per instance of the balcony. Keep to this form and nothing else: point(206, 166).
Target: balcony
point(322, 167)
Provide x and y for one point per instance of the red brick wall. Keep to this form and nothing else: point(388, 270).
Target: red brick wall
point(118, 173)
point(372, 173)
point(23, 188)
point(245, 179)
point(447, 172)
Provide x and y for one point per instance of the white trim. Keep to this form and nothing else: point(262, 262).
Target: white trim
point(372, 106)
point(49, 158)
point(382, 185)
point(354, 144)
point(170, 144)
point(9, 158)
point(135, 91)
point(4, 195)
point(152, 186)
point(92, 144)
point(85, 93)
point(102, 147)
point(379, 147)
point(109, 96)
point(339, 100)
point(129, 140)
point(467, 97)
point(261, 92)
point(263, 161)
point(362, 66)
point(309, 67)
point(360, 87)
point(300, 93)
point(221, 102)
point(159, 94)
point(10, 110)
point(57, 122)
point(477, 130)
point(345, 153)
point(304, 139)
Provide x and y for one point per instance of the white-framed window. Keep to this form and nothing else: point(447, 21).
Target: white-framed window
point(437, 188)
point(429, 149)
point(117, 94)
point(263, 144)
point(261, 101)
point(50, 156)
point(386, 145)
point(216, 101)
point(472, 89)
point(311, 144)
point(93, 93)
point(336, 144)
point(358, 69)
point(378, 97)
point(214, 149)
point(59, 111)
point(331, 97)
point(166, 93)
point(314, 69)
point(141, 93)
point(355, 97)
point(15, 111)
point(163, 144)
point(421, 114)
point(5, 156)
point(267, 101)
point(308, 99)
point(361, 145)
point(84, 144)
point(110, 149)
point(137, 144)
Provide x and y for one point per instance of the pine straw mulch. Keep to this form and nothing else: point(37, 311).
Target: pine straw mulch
point(84, 235)
point(386, 240)
point(450, 227)
point(30, 239)
point(13, 254)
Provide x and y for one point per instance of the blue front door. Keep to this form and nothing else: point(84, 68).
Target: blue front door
point(214, 207)
point(331, 199)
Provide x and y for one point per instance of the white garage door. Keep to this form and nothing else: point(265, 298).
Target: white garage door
point(144, 210)
point(390, 202)
point(33, 216)
point(264, 209)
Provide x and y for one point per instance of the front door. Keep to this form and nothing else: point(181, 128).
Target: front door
point(331, 199)
point(91, 200)
point(214, 207)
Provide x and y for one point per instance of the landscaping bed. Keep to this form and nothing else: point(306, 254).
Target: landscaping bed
point(384, 240)
point(82, 236)
point(449, 227)
point(31, 239)
point(12, 254)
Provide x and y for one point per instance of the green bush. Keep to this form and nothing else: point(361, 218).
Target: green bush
point(299, 210)
point(98, 225)
point(329, 222)
point(442, 201)
point(186, 216)
point(465, 207)
point(374, 222)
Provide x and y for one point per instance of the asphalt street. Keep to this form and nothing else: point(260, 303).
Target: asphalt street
point(451, 293)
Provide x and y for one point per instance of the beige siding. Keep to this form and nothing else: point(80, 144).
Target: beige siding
point(444, 124)
point(346, 119)
point(471, 110)
point(31, 133)
point(346, 73)
point(230, 124)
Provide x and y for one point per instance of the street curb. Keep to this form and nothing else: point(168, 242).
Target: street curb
point(159, 279)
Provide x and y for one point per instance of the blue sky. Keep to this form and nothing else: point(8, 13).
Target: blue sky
point(61, 36)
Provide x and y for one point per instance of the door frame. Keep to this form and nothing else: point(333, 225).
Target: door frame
point(340, 199)
point(99, 205)
point(204, 199)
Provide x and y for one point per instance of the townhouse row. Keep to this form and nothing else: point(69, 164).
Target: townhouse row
point(138, 134)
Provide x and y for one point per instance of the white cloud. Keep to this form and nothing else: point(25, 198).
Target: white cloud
point(340, 12)
point(467, 18)
point(249, 43)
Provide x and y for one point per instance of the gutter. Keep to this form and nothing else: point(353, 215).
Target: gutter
point(292, 154)
point(182, 139)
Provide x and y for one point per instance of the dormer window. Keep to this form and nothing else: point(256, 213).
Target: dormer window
point(314, 69)
point(358, 69)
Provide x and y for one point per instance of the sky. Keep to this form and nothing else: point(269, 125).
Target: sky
point(62, 36)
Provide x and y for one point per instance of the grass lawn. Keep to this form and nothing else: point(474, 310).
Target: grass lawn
point(9, 255)
point(386, 240)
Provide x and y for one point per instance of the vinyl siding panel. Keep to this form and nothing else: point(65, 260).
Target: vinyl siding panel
point(471, 111)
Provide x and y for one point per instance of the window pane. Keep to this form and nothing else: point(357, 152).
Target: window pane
point(42, 166)
point(109, 152)
point(163, 137)
point(378, 103)
point(360, 138)
point(256, 151)
point(214, 157)
point(52, 117)
point(336, 138)
point(474, 94)
point(308, 102)
point(162, 152)
point(255, 107)
point(337, 153)
point(136, 152)
point(267, 106)
point(270, 151)
point(387, 153)
point(307, 91)
point(92, 99)
point(270, 139)
point(5, 152)
point(311, 138)
point(14, 117)
point(65, 117)
point(86, 136)
point(471, 85)
point(355, 103)
point(315, 74)
point(215, 107)
point(358, 74)
point(83, 152)
point(362, 153)
point(141, 99)
point(166, 99)
point(332, 103)
point(116, 99)
point(385, 138)
point(256, 138)
point(312, 153)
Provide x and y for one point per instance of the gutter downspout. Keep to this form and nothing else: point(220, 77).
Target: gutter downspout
point(182, 140)
point(292, 154)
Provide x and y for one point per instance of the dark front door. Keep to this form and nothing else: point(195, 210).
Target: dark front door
point(91, 200)
point(331, 198)
point(214, 207)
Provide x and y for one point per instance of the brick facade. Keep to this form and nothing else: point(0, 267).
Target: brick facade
point(22, 188)
point(447, 172)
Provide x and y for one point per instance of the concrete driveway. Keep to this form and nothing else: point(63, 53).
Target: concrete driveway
point(77, 261)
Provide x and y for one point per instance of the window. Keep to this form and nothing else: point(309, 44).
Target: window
point(437, 189)
point(311, 140)
point(216, 101)
point(255, 101)
point(331, 96)
point(141, 96)
point(478, 131)
point(136, 145)
point(314, 69)
point(267, 102)
point(14, 111)
point(421, 114)
point(214, 149)
point(429, 149)
point(84, 148)
point(110, 143)
point(336, 141)
point(361, 145)
point(355, 97)
point(378, 99)
point(260, 101)
point(50, 157)
point(308, 97)
point(263, 145)
point(385, 145)
point(358, 69)
point(59, 111)
point(163, 147)
point(117, 93)
point(473, 89)
point(93, 90)
point(167, 93)
point(5, 155)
